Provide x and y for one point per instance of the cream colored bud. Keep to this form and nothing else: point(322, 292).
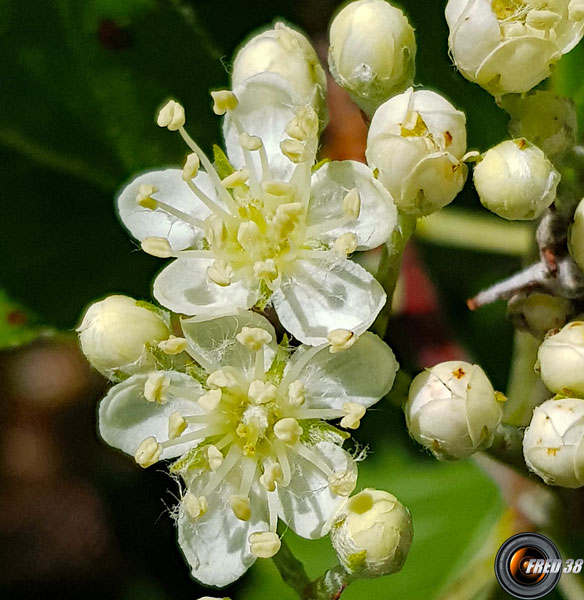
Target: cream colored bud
point(176, 425)
point(114, 333)
point(220, 273)
point(452, 410)
point(287, 430)
point(253, 338)
point(223, 101)
point(372, 534)
point(515, 180)
point(342, 483)
point(290, 55)
point(148, 452)
point(538, 313)
point(345, 244)
point(353, 414)
point(261, 392)
point(155, 387)
point(191, 167)
point(340, 339)
point(264, 544)
point(171, 115)
point(241, 507)
point(213, 456)
point(553, 444)
point(352, 204)
point(561, 360)
point(296, 393)
point(195, 506)
point(157, 246)
point(173, 345)
point(508, 46)
point(221, 379)
point(576, 236)
point(372, 52)
point(210, 401)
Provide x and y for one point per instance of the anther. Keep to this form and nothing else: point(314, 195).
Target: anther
point(173, 345)
point(220, 272)
point(148, 452)
point(296, 393)
point(223, 101)
point(144, 196)
point(353, 414)
point(171, 115)
point(194, 506)
point(191, 166)
point(294, 150)
point(213, 456)
point(260, 392)
point(210, 401)
point(157, 246)
point(342, 483)
point(253, 338)
point(235, 179)
point(340, 339)
point(221, 379)
point(287, 430)
point(176, 425)
point(250, 142)
point(352, 204)
point(264, 544)
point(271, 475)
point(156, 386)
point(345, 244)
point(241, 507)
point(303, 125)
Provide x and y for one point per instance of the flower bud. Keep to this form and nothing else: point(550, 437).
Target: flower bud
point(538, 313)
point(545, 119)
point(507, 46)
point(515, 180)
point(561, 360)
point(114, 332)
point(415, 144)
point(553, 444)
point(453, 410)
point(372, 52)
point(288, 53)
point(372, 534)
point(576, 236)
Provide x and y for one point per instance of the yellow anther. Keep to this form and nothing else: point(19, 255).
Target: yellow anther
point(253, 338)
point(195, 506)
point(157, 246)
point(215, 231)
point(271, 475)
point(221, 379)
point(191, 167)
point(171, 115)
point(210, 401)
point(342, 483)
point(223, 100)
point(260, 392)
point(304, 124)
point(241, 507)
point(220, 272)
point(250, 142)
point(296, 393)
point(213, 457)
point(148, 452)
point(176, 425)
point(287, 430)
point(144, 196)
point(345, 244)
point(294, 150)
point(264, 544)
point(340, 339)
point(236, 179)
point(265, 269)
point(155, 387)
point(352, 204)
point(173, 345)
point(280, 189)
point(249, 236)
point(353, 414)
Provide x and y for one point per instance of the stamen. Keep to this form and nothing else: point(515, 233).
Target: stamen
point(235, 179)
point(225, 440)
point(221, 378)
point(210, 204)
point(210, 401)
point(313, 458)
point(148, 452)
point(260, 392)
point(173, 345)
point(316, 230)
point(304, 124)
point(253, 338)
point(294, 150)
point(241, 507)
point(340, 339)
point(153, 204)
point(223, 101)
point(345, 244)
point(259, 367)
point(287, 430)
point(266, 269)
point(195, 435)
point(299, 366)
point(353, 414)
point(172, 116)
point(156, 387)
point(342, 483)
point(352, 204)
point(191, 167)
point(195, 506)
point(296, 393)
point(230, 461)
point(271, 475)
point(272, 512)
point(213, 457)
point(319, 413)
point(250, 237)
point(264, 544)
point(220, 273)
point(250, 142)
point(176, 425)
point(282, 455)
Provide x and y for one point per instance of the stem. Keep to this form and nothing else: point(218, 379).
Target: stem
point(291, 570)
point(508, 447)
point(329, 586)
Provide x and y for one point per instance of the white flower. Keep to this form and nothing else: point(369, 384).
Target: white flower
point(561, 360)
point(576, 236)
point(511, 45)
point(515, 180)
point(288, 53)
point(372, 534)
point(372, 52)
point(553, 444)
point(416, 142)
point(271, 230)
point(453, 410)
point(115, 332)
point(247, 424)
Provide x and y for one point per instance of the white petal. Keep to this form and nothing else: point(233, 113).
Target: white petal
point(172, 190)
point(326, 294)
point(183, 287)
point(212, 342)
point(378, 216)
point(306, 504)
point(126, 418)
point(266, 106)
point(364, 373)
point(216, 544)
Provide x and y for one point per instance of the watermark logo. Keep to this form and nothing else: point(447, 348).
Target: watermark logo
point(528, 565)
